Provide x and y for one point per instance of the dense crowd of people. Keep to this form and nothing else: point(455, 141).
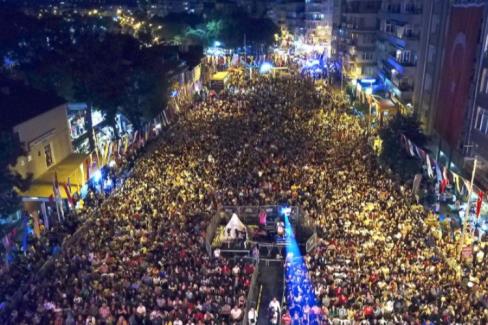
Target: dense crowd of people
point(141, 256)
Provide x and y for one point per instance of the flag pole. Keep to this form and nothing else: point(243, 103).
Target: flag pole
point(466, 216)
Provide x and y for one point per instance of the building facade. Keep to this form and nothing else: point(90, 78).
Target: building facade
point(318, 23)
point(399, 48)
point(355, 37)
point(47, 141)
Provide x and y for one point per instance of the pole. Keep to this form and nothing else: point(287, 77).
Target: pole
point(466, 216)
point(342, 76)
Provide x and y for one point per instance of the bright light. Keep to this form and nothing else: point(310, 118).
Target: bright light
point(368, 80)
point(217, 44)
point(297, 272)
point(112, 164)
point(97, 176)
point(265, 67)
point(369, 91)
point(285, 211)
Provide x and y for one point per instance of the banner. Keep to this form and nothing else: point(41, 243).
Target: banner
point(311, 243)
point(416, 183)
point(457, 70)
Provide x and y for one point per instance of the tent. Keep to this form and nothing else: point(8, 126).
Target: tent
point(234, 224)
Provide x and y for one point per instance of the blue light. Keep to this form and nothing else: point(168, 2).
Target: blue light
point(217, 44)
point(285, 211)
point(368, 80)
point(265, 67)
point(97, 176)
point(299, 287)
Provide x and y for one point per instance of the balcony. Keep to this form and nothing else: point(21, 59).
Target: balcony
point(398, 9)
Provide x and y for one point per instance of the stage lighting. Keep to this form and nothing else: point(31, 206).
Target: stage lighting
point(97, 176)
point(285, 211)
point(265, 67)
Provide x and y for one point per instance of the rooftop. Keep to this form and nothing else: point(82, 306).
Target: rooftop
point(19, 103)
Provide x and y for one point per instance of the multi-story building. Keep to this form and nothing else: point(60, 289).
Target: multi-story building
point(289, 15)
point(399, 48)
point(355, 37)
point(429, 63)
point(475, 141)
point(318, 22)
point(40, 121)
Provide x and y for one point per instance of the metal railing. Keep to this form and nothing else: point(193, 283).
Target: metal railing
point(252, 295)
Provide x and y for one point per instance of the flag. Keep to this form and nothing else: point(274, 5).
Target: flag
point(68, 184)
point(438, 172)
point(109, 154)
point(25, 235)
point(416, 183)
point(445, 174)
point(68, 195)
point(57, 197)
point(411, 148)
point(479, 203)
point(455, 178)
point(6, 241)
point(37, 229)
point(56, 185)
point(44, 215)
point(430, 172)
point(444, 184)
point(105, 153)
point(135, 137)
point(126, 144)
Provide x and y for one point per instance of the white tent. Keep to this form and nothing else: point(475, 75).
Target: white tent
point(234, 224)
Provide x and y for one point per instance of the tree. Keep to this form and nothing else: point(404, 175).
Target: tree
point(394, 154)
point(10, 180)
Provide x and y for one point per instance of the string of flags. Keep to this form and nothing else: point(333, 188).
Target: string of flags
point(443, 175)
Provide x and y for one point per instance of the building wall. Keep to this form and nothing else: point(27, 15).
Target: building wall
point(429, 66)
point(318, 22)
point(476, 135)
point(355, 37)
point(398, 47)
point(49, 129)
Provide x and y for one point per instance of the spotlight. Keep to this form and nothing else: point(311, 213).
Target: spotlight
point(112, 164)
point(97, 176)
point(285, 211)
point(265, 67)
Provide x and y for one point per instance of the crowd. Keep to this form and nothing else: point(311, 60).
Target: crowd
point(141, 256)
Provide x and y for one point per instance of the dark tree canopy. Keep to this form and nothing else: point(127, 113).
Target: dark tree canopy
point(394, 154)
point(10, 181)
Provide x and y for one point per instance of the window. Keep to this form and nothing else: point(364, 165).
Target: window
point(367, 56)
point(49, 155)
point(482, 120)
point(483, 81)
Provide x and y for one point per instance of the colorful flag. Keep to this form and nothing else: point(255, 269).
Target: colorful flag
point(479, 203)
point(25, 235)
point(44, 215)
point(438, 171)
point(430, 172)
point(68, 195)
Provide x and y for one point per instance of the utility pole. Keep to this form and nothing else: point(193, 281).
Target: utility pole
point(468, 204)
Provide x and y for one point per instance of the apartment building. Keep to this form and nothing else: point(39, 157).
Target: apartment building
point(318, 22)
point(399, 47)
point(355, 37)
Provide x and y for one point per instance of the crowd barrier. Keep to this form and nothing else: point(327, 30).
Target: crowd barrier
point(252, 295)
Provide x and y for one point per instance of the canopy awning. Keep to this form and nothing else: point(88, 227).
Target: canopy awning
point(220, 76)
point(71, 167)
